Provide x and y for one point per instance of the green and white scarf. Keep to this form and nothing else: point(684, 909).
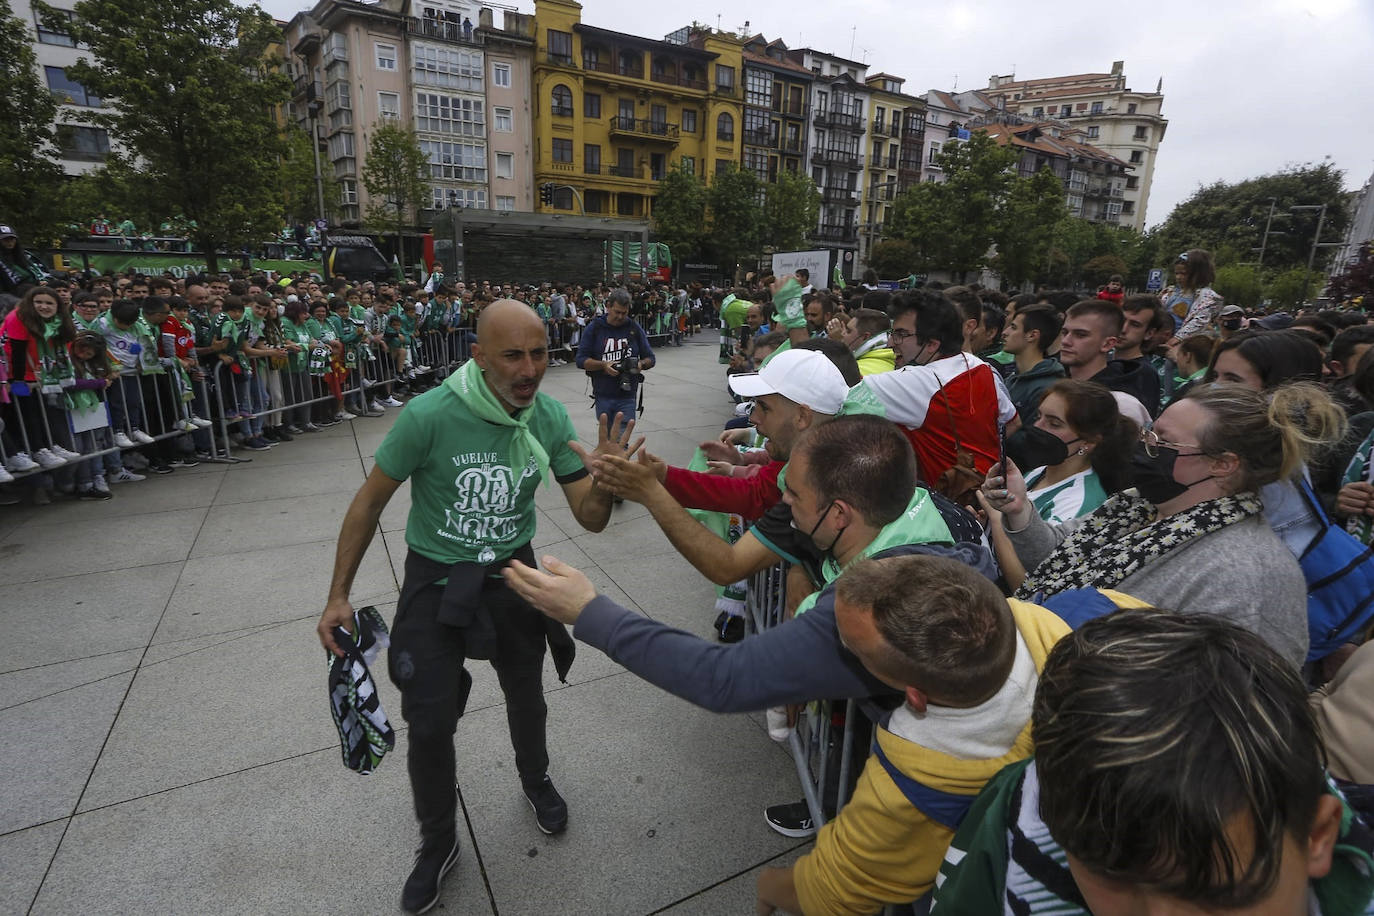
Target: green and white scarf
point(470, 385)
point(1123, 535)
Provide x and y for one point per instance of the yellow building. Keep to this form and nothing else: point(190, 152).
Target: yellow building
point(614, 112)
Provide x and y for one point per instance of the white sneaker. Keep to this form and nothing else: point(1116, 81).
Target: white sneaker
point(99, 485)
point(5, 476)
point(66, 453)
point(20, 462)
point(187, 426)
point(126, 476)
point(140, 436)
point(376, 405)
point(392, 402)
point(200, 422)
point(345, 416)
point(419, 369)
point(47, 460)
point(123, 441)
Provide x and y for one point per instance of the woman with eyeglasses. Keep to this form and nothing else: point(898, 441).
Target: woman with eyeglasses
point(1192, 532)
point(1191, 300)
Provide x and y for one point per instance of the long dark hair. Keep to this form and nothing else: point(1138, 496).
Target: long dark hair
point(28, 315)
point(1277, 356)
point(1092, 413)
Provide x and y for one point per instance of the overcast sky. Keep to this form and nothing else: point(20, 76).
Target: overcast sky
point(1249, 87)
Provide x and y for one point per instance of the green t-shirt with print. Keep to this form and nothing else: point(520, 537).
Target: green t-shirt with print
point(466, 503)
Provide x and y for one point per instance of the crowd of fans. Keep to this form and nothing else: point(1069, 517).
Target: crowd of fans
point(1079, 553)
point(108, 379)
point(1098, 561)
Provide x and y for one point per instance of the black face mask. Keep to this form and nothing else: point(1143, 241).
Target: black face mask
point(811, 535)
point(1032, 447)
point(1154, 477)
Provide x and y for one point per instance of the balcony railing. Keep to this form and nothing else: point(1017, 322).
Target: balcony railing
point(561, 111)
point(620, 171)
point(732, 91)
point(591, 168)
point(846, 196)
point(559, 60)
point(879, 125)
point(672, 79)
point(839, 120)
point(837, 157)
point(833, 232)
point(644, 127)
point(876, 161)
point(442, 30)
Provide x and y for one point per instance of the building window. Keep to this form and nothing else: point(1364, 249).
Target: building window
point(561, 102)
point(1137, 156)
point(505, 204)
point(560, 46)
point(562, 198)
point(500, 75)
point(724, 165)
point(934, 153)
point(625, 162)
point(1038, 111)
point(689, 120)
point(447, 68)
point(341, 147)
point(1097, 108)
point(591, 159)
point(1093, 132)
point(878, 114)
point(591, 105)
point(389, 105)
point(1130, 108)
point(442, 114)
point(502, 120)
point(725, 78)
point(755, 127)
point(689, 165)
point(52, 35)
point(793, 138)
point(348, 192)
point(627, 204)
point(562, 149)
point(386, 56)
point(1065, 111)
point(505, 165)
point(594, 201)
point(469, 198)
point(1132, 182)
point(725, 126)
point(456, 161)
point(89, 143)
point(68, 91)
point(758, 88)
point(1142, 133)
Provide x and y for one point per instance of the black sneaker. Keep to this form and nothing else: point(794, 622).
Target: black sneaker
point(731, 629)
point(185, 461)
point(550, 811)
point(284, 436)
point(792, 820)
point(432, 862)
point(91, 493)
point(159, 468)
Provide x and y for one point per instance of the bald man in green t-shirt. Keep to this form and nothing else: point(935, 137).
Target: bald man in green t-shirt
point(474, 449)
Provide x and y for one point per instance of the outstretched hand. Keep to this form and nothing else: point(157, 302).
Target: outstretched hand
point(716, 450)
point(633, 480)
point(612, 438)
point(561, 592)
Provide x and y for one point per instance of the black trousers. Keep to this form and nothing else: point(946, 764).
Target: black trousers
point(425, 663)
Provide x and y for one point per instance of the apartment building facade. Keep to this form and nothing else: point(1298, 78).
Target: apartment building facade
point(838, 130)
point(510, 102)
point(894, 149)
point(777, 93)
point(614, 112)
point(1114, 118)
point(81, 146)
point(1094, 180)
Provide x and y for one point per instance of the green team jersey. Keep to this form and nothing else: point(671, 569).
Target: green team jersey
point(467, 505)
point(300, 335)
point(227, 329)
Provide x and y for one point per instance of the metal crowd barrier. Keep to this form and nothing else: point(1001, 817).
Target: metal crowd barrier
point(810, 742)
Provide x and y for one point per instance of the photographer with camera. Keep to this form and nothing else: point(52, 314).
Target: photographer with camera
point(614, 351)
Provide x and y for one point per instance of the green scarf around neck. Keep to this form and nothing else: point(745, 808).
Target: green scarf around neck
point(471, 387)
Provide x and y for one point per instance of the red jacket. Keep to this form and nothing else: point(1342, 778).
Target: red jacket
point(750, 497)
point(1113, 298)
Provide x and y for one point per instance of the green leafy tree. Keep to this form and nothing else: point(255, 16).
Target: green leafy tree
point(1025, 227)
point(1239, 284)
point(1075, 243)
point(919, 216)
point(1100, 269)
point(736, 219)
point(978, 176)
point(1228, 219)
point(893, 258)
point(298, 193)
point(27, 154)
point(396, 176)
point(1291, 288)
point(791, 205)
point(679, 218)
point(1357, 279)
point(115, 189)
point(190, 94)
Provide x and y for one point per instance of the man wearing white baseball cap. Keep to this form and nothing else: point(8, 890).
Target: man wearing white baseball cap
point(804, 377)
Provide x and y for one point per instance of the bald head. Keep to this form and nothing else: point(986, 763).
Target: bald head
point(505, 317)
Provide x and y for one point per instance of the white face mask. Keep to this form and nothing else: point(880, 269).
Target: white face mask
point(281, 310)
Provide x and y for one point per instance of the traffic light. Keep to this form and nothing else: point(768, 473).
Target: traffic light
point(546, 194)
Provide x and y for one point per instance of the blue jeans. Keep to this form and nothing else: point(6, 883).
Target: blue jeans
point(622, 403)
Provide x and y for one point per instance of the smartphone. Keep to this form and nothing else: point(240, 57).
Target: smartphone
point(1002, 448)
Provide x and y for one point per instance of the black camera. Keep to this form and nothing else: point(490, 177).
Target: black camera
point(627, 373)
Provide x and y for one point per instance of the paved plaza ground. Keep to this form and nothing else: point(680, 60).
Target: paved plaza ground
point(172, 748)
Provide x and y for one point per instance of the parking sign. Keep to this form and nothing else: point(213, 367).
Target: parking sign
point(1156, 281)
